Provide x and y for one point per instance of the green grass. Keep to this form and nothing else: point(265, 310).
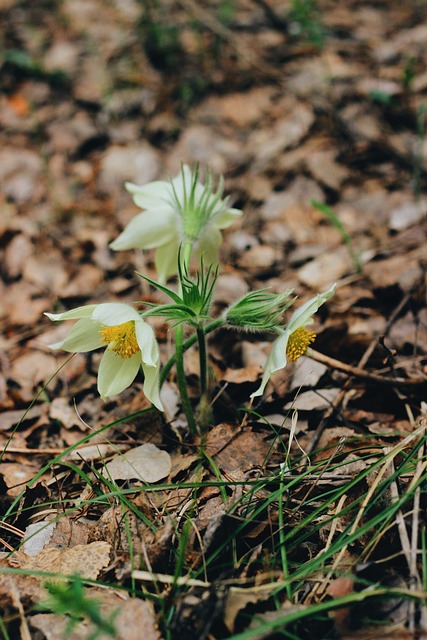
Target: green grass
point(345, 522)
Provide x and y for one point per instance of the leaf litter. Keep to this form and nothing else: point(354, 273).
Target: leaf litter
point(296, 123)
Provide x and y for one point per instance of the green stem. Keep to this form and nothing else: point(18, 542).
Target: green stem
point(204, 416)
point(201, 339)
point(186, 345)
point(180, 378)
point(179, 357)
point(186, 253)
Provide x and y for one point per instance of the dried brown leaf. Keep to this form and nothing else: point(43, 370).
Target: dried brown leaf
point(85, 560)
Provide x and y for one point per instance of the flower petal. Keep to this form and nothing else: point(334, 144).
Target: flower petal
point(226, 218)
point(147, 343)
point(83, 337)
point(275, 361)
point(80, 312)
point(149, 229)
point(116, 373)
point(165, 261)
point(303, 316)
point(150, 195)
point(182, 184)
point(112, 314)
point(209, 244)
point(151, 385)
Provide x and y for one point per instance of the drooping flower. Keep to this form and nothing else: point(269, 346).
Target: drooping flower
point(130, 345)
point(295, 339)
point(175, 212)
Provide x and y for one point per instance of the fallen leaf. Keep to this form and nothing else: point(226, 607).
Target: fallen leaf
point(60, 409)
point(238, 598)
point(16, 475)
point(307, 372)
point(135, 619)
point(85, 560)
point(311, 400)
point(146, 462)
point(37, 536)
point(241, 451)
point(329, 267)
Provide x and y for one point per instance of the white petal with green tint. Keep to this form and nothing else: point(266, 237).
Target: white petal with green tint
point(303, 316)
point(83, 337)
point(115, 373)
point(112, 314)
point(149, 229)
point(165, 260)
point(226, 218)
point(151, 195)
point(275, 361)
point(182, 184)
point(151, 385)
point(209, 244)
point(74, 314)
point(147, 343)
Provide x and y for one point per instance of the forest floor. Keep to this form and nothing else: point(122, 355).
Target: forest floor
point(305, 516)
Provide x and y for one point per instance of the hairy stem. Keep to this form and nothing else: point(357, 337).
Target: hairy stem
point(179, 357)
point(215, 324)
point(201, 339)
point(180, 378)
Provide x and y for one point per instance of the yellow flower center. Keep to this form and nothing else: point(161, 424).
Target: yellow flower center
point(298, 343)
point(121, 338)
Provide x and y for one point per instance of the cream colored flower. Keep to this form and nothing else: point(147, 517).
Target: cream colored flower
point(130, 345)
point(181, 210)
point(294, 341)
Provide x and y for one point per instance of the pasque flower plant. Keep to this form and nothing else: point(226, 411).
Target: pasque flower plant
point(182, 218)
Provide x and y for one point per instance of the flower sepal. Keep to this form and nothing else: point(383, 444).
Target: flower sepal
point(193, 304)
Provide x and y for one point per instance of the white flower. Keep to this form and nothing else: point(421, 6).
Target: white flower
point(175, 212)
point(295, 339)
point(130, 344)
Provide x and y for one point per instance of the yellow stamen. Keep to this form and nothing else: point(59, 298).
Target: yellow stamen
point(298, 343)
point(121, 339)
